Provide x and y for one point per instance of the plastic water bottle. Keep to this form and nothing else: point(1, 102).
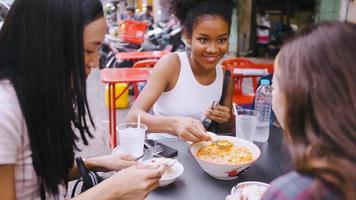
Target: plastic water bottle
point(263, 105)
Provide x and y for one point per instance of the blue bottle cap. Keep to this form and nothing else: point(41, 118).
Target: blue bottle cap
point(264, 82)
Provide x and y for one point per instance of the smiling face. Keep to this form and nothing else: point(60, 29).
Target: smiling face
point(94, 35)
point(209, 42)
point(279, 105)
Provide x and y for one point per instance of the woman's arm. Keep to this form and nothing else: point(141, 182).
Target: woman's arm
point(105, 163)
point(119, 186)
point(7, 182)
point(163, 78)
point(155, 86)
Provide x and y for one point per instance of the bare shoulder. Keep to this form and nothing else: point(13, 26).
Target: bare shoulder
point(168, 65)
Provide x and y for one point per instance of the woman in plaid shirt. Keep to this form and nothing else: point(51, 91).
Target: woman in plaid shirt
point(314, 99)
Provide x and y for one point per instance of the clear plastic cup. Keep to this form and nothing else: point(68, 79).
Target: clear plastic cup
point(131, 138)
point(246, 122)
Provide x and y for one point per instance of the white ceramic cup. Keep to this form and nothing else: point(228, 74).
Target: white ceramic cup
point(131, 138)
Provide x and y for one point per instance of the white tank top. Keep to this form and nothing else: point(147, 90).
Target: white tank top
point(189, 98)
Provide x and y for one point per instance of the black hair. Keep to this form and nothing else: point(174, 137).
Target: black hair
point(131, 9)
point(149, 8)
point(189, 12)
point(41, 53)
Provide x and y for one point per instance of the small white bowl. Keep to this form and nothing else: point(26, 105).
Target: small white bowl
point(244, 189)
point(225, 171)
point(176, 170)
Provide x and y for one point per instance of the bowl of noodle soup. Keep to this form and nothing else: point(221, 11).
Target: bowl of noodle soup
point(227, 160)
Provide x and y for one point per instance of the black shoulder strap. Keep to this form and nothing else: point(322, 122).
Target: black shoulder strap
point(89, 178)
point(84, 173)
point(224, 86)
point(214, 126)
point(75, 187)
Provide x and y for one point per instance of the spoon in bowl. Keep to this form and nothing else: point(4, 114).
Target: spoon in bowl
point(221, 143)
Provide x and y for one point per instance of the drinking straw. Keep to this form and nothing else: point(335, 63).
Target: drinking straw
point(234, 107)
point(138, 121)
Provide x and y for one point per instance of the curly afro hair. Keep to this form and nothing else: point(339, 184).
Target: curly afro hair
point(189, 12)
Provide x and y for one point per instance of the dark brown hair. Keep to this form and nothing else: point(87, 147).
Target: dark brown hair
point(318, 78)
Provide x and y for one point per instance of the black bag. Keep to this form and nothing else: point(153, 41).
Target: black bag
point(89, 178)
point(214, 126)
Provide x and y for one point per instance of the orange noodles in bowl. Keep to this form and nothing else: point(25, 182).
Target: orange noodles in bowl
point(231, 155)
point(221, 168)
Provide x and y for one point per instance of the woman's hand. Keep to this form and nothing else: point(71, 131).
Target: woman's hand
point(137, 181)
point(110, 162)
point(219, 113)
point(132, 183)
point(190, 129)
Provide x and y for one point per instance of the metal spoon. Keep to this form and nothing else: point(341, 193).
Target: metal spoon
point(221, 143)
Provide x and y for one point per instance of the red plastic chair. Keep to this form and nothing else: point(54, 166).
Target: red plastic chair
point(139, 64)
point(239, 97)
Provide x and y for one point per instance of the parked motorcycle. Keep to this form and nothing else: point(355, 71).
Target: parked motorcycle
point(166, 37)
point(157, 39)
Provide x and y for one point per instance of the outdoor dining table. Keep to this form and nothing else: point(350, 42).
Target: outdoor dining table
point(114, 76)
point(195, 184)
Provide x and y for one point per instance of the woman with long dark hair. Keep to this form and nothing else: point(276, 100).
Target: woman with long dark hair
point(47, 49)
point(314, 99)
